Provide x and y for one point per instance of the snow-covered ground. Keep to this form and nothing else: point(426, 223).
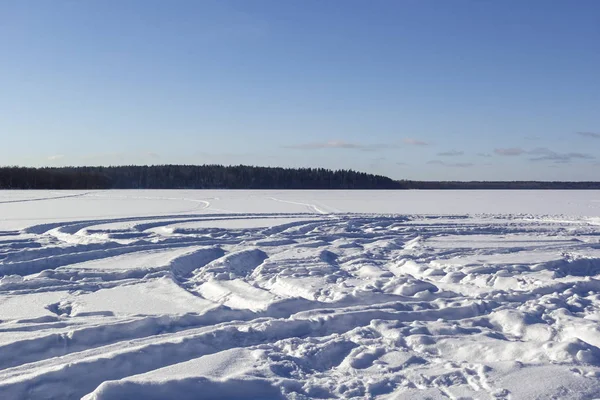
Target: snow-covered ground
point(300, 294)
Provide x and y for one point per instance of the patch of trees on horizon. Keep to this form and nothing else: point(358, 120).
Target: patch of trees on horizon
point(189, 177)
point(236, 177)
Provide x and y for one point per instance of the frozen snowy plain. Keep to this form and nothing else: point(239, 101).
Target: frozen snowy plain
point(300, 294)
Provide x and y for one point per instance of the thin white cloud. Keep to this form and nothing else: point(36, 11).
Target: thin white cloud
point(447, 164)
point(339, 144)
point(544, 154)
point(462, 165)
point(415, 142)
point(594, 135)
point(325, 145)
point(56, 157)
point(377, 162)
point(511, 151)
point(451, 153)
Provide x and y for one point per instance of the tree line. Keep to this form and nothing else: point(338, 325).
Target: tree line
point(189, 177)
point(237, 177)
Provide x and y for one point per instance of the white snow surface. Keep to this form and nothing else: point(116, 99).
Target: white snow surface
point(189, 294)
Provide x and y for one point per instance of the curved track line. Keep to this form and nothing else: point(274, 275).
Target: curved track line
point(313, 208)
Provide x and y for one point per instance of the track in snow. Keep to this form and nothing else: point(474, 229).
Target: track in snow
point(301, 305)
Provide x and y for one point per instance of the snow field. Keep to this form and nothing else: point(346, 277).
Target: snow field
point(296, 295)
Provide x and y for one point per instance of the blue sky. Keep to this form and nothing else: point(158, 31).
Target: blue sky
point(414, 89)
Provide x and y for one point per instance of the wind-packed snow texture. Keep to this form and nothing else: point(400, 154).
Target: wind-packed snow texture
point(299, 294)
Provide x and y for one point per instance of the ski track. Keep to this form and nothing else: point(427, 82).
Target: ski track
point(54, 197)
point(329, 305)
point(310, 207)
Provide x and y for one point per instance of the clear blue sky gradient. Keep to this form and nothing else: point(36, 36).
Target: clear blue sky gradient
point(415, 89)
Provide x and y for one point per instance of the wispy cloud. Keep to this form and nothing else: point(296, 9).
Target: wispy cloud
point(324, 145)
point(415, 142)
point(544, 154)
point(447, 164)
point(511, 151)
point(451, 153)
point(338, 144)
point(487, 155)
point(461, 165)
point(595, 135)
point(152, 154)
point(343, 145)
point(402, 164)
point(56, 157)
point(376, 162)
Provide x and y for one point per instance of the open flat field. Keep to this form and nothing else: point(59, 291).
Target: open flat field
point(300, 294)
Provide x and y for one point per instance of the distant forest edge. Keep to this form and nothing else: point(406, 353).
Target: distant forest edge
point(235, 177)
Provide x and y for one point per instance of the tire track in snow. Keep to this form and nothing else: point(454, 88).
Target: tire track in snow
point(377, 284)
point(45, 198)
point(311, 207)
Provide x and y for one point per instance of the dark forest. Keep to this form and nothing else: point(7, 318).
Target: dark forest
point(235, 177)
